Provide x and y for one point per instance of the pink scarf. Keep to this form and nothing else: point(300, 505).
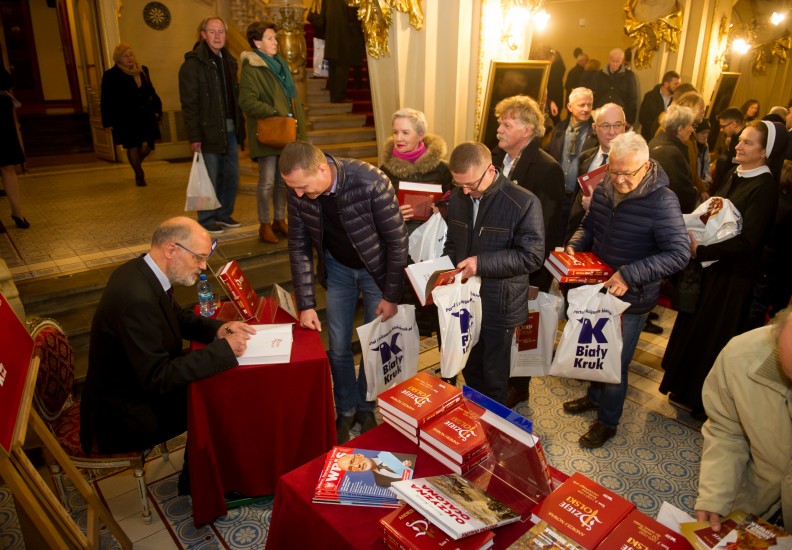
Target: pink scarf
point(413, 155)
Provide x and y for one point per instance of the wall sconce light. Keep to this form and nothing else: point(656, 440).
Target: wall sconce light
point(517, 15)
point(741, 46)
point(777, 18)
point(540, 19)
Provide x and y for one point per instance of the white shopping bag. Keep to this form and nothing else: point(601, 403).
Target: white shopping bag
point(715, 220)
point(591, 345)
point(200, 191)
point(427, 242)
point(320, 64)
point(390, 350)
point(459, 312)
point(532, 346)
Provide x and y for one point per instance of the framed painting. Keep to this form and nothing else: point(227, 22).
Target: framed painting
point(506, 79)
point(719, 101)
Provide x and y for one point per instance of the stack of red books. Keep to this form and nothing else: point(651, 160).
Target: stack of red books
point(580, 268)
point(456, 438)
point(406, 529)
point(411, 404)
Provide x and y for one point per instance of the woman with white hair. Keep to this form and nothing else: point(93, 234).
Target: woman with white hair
point(669, 149)
point(412, 154)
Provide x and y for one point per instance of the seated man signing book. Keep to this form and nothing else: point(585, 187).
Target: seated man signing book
point(747, 459)
point(135, 394)
point(346, 210)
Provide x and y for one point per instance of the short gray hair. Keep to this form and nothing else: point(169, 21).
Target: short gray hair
point(171, 231)
point(416, 118)
point(205, 22)
point(525, 109)
point(580, 92)
point(629, 142)
point(675, 118)
point(779, 110)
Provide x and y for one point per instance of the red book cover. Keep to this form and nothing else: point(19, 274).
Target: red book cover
point(579, 264)
point(527, 334)
point(583, 510)
point(401, 427)
point(240, 289)
point(412, 531)
point(577, 279)
point(711, 538)
point(421, 196)
point(638, 532)
point(419, 399)
point(461, 469)
point(457, 432)
point(16, 348)
point(589, 181)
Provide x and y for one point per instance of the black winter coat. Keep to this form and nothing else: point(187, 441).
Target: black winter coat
point(133, 113)
point(372, 220)
point(672, 156)
point(651, 108)
point(507, 238)
point(620, 88)
point(643, 237)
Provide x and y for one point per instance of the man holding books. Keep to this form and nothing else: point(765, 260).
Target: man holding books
point(635, 226)
point(747, 459)
point(495, 231)
point(346, 210)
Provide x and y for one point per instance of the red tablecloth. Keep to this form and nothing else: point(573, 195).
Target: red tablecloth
point(299, 523)
point(249, 425)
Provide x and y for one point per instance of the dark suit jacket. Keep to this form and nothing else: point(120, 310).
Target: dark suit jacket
point(651, 107)
point(555, 148)
point(576, 211)
point(136, 388)
point(540, 174)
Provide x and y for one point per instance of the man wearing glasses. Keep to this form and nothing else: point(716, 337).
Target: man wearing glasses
point(731, 123)
point(495, 231)
point(634, 225)
point(135, 392)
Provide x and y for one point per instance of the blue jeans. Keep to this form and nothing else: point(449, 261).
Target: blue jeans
point(344, 285)
point(270, 188)
point(610, 397)
point(224, 173)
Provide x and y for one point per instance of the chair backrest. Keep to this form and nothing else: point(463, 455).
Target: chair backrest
point(56, 369)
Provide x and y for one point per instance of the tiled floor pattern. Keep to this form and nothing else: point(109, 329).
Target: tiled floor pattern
point(654, 457)
point(88, 215)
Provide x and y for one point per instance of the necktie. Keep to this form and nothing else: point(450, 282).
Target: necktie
point(604, 159)
point(475, 209)
point(169, 292)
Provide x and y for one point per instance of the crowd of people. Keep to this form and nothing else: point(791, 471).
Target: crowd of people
point(507, 208)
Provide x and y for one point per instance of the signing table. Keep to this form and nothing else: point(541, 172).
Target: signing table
point(250, 424)
point(331, 526)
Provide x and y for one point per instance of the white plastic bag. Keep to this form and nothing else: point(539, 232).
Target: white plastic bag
point(532, 346)
point(715, 220)
point(591, 345)
point(427, 242)
point(459, 312)
point(320, 64)
point(200, 191)
point(390, 350)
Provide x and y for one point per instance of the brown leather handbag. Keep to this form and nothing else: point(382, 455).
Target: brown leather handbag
point(277, 131)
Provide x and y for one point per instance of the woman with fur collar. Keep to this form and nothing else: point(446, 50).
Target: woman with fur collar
point(411, 154)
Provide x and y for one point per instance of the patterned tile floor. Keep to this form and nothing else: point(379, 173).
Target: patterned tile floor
point(653, 458)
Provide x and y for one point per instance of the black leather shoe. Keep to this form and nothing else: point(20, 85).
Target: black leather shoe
point(596, 436)
point(654, 316)
point(577, 406)
point(343, 425)
point(651, 328)
point(452, 380)
point(515, 396)
point(366, 419)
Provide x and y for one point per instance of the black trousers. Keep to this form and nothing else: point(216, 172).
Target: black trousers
point(337, 77)
point(487, 369)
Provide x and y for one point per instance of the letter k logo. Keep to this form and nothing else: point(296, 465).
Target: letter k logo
point(590, 331)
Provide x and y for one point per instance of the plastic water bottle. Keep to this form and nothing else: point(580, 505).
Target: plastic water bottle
point(205, 297)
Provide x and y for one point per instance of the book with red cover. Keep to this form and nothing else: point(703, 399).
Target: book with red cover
point(419, 399)
point(710, 538)
point(582, 510)
point(457, 433)
point(461, 469)
point(589, 181)
point(425, 276)
point(421, 196)
point(240, 290)
point(638, 531)
point(406, 529)
point(407, 431)
point(579, 264)
point(577, 279)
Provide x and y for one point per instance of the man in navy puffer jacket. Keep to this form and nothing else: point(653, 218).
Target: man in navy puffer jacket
point(634, 225)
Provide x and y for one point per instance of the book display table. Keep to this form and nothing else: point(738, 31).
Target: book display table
point(250, 424)
point(299, 523)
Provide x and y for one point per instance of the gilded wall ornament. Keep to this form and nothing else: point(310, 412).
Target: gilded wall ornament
point(157, 16)
point(648, 35)
point(376, 17)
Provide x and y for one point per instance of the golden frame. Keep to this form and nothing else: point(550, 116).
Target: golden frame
point(512, 78)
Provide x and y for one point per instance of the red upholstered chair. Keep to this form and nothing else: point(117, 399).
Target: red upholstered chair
point(55, 404)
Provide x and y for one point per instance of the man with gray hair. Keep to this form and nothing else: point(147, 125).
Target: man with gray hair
point(635, 226)
point(615, 83)
point(495, 231)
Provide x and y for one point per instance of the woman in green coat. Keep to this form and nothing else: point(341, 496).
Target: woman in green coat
point(266, 89)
